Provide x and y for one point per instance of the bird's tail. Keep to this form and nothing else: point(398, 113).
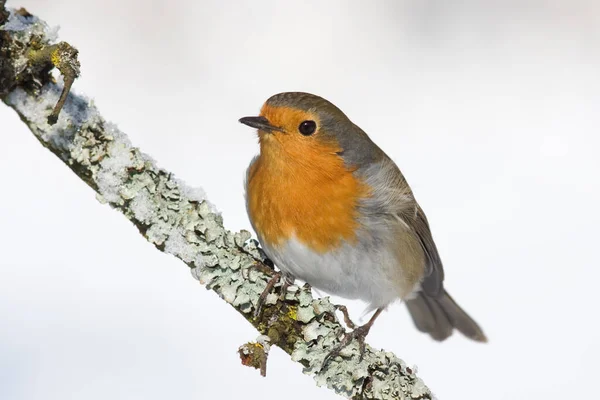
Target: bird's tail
point(439, 316)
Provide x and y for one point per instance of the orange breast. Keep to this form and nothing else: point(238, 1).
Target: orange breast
point(303, 192)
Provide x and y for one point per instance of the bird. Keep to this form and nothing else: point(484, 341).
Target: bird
point(332, 209)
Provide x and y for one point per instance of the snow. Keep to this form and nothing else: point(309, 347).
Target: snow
point(113, 171)
point(144, 210)
point(30, 25)
point(36, 109)
point(196, 194)
point(178, 246)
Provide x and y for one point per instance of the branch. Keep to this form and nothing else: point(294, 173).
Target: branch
point(179, 220)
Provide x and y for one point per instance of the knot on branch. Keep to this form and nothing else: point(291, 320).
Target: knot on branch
point(63, 57)
point(27, 56)
point(255, 354)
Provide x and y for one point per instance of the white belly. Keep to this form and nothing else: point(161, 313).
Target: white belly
point(365, 272)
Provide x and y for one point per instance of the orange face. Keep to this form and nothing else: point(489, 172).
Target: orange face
point(300, 185)
point(291, 140)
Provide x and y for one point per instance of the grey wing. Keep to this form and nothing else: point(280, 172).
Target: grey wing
point(394, 196)
point(432, 310)
point(432, 283)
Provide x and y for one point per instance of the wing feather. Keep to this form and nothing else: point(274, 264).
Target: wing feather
point(395, 198)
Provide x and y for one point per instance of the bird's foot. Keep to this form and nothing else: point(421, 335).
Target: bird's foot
point(346, 315)
point(358, 332)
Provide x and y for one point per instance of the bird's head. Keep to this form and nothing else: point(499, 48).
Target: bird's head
point(309, 128)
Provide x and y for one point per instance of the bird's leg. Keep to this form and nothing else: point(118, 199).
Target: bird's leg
point(347, 319)
point(288, 280)
point(359, 333)
point(275, 279)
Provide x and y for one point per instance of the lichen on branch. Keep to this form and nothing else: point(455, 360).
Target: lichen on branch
point(180, 220)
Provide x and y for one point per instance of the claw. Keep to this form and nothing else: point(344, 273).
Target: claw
point(359, 333)
point(347, 319)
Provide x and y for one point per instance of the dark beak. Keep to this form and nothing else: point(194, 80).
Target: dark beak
point(260, 123)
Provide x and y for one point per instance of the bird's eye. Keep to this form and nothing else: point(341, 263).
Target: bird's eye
point(307, 128)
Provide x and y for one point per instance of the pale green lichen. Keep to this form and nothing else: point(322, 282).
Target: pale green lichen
point(179, 220)
point(314, 330)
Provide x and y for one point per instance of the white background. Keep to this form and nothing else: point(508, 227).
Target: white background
point(489, 108)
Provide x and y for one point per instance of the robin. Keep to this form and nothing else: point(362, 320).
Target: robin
point(331, 208)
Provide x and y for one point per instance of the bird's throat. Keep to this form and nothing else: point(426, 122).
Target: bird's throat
point(313, 198)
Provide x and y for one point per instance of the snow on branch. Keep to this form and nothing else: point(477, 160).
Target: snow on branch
point(180, 220)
